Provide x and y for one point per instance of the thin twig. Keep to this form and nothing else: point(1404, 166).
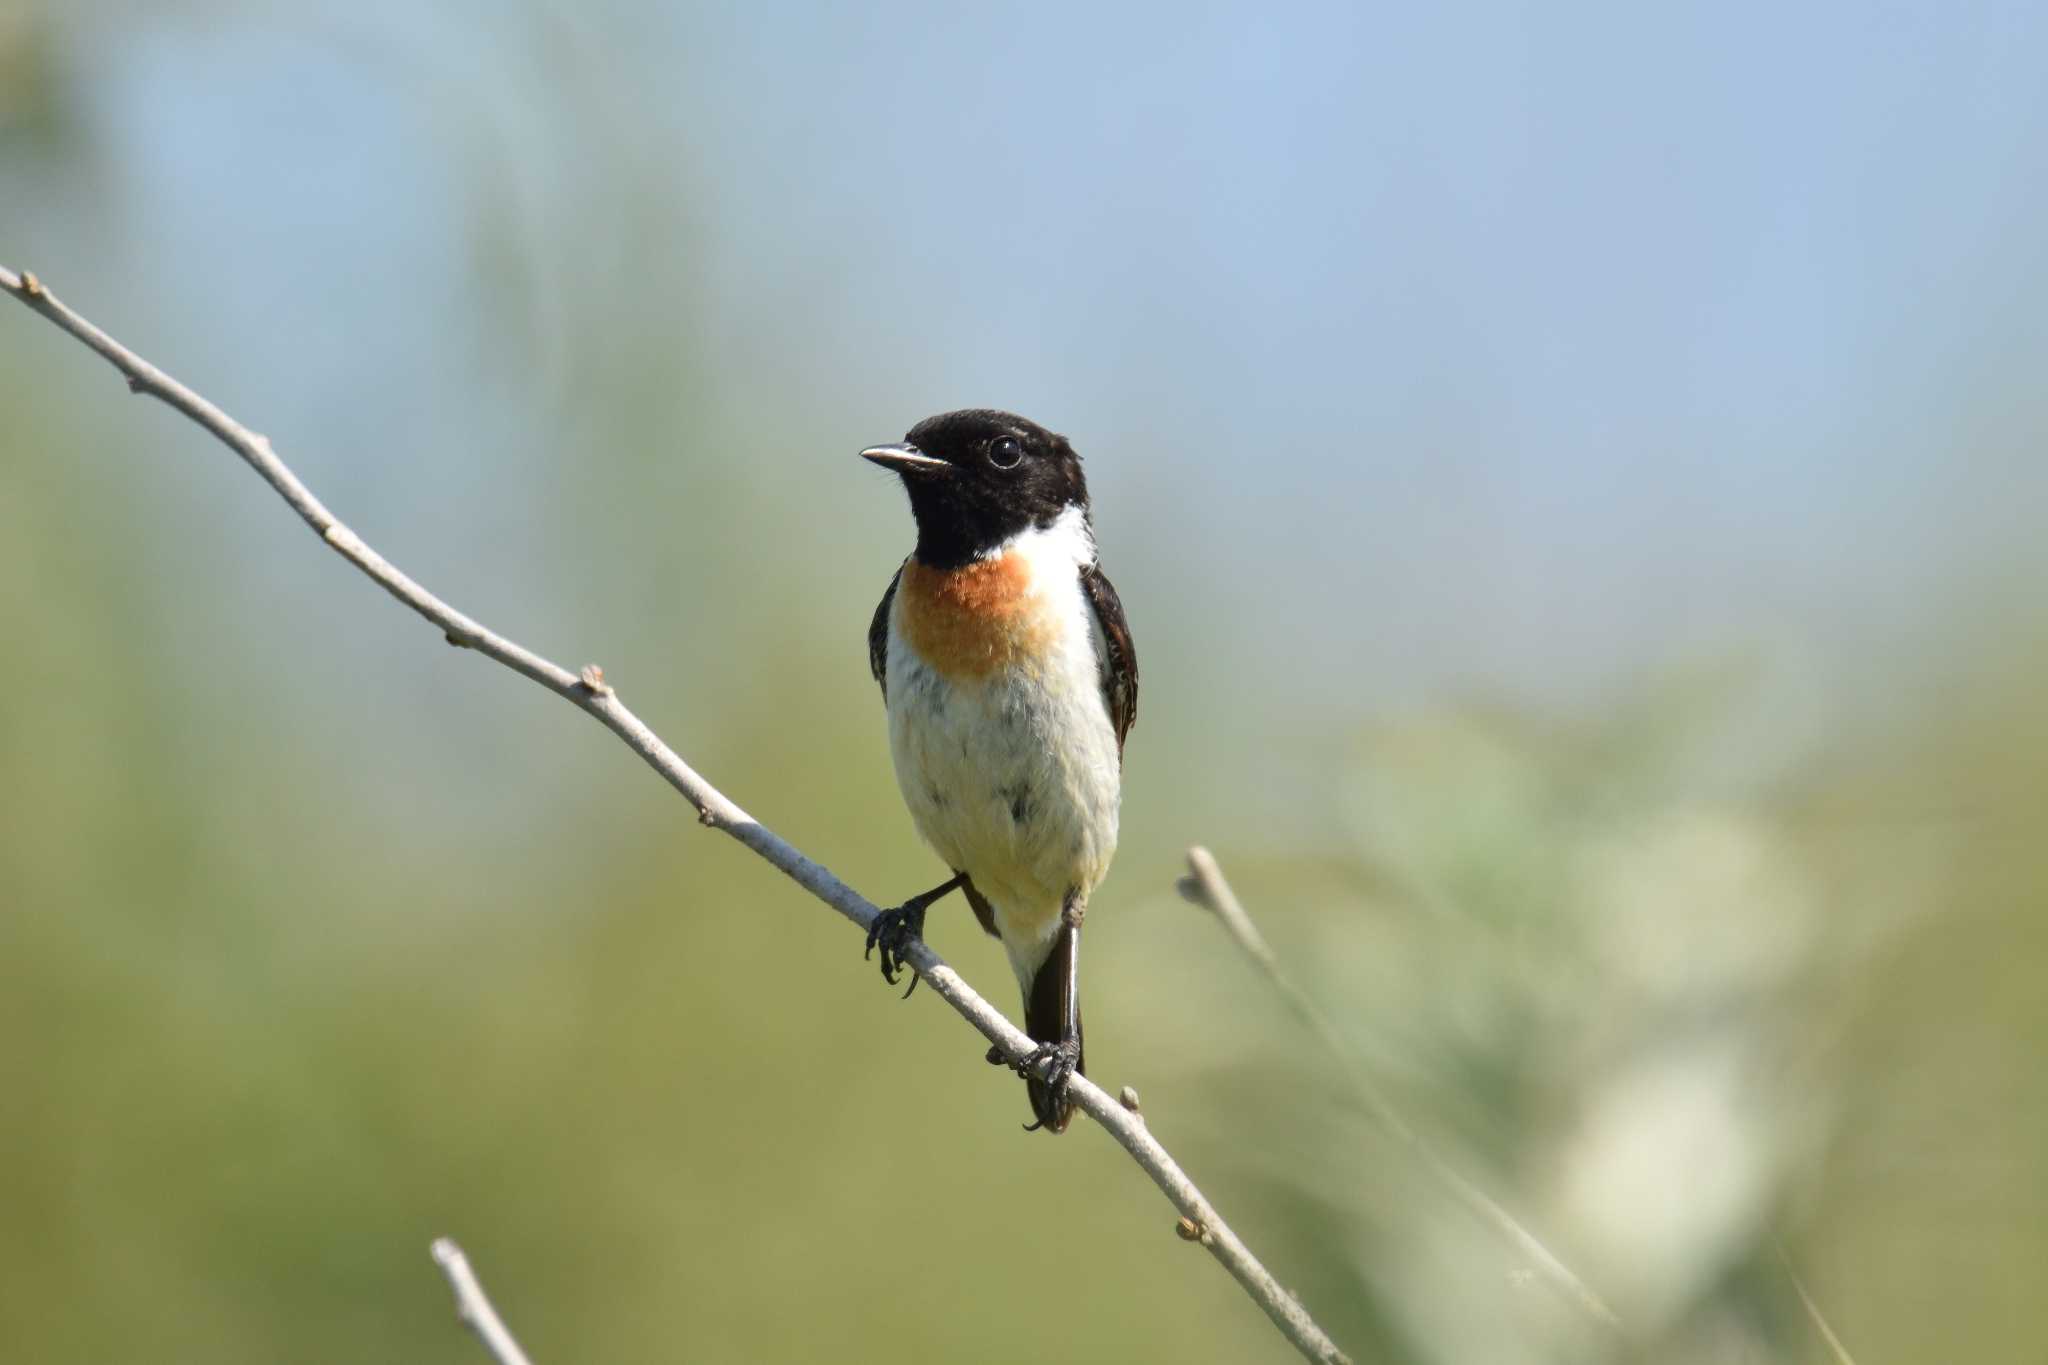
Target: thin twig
point(1206, 886)
point(473, 1306)
point(590, 692)
point(1820, 1322)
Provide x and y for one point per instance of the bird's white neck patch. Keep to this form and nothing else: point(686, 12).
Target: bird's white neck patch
point(1066, 544)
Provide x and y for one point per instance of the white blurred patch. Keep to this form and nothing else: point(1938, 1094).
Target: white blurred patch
point(1693, 907)
point(1666, 1177)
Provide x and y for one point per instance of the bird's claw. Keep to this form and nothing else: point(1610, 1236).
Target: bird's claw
point(892, 932)
point(1053, 1065)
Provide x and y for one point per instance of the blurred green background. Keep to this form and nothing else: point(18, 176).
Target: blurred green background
point(1576, 477)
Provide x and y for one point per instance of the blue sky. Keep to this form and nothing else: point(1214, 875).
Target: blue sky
point(1547, 343)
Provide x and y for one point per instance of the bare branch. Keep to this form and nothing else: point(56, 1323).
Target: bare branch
point(473, 1306)
point(1820, 1322)
point(595, 696)
point(1205, 886)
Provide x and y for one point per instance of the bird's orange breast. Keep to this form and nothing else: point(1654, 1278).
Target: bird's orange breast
point(970, 621)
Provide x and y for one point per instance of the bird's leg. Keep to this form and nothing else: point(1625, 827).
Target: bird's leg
point(894, 928)
point(1054, 1062)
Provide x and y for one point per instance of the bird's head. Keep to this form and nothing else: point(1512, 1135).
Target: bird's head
point(977, 477)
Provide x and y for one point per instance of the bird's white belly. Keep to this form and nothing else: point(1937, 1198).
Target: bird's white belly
point(1012, 778)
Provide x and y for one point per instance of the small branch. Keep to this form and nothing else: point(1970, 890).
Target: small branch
point(590, 692)
point(1206, 887)
point(1820, 1322)
point(473, 1306)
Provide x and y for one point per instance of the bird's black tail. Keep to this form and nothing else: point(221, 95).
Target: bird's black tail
point(1052, 1014)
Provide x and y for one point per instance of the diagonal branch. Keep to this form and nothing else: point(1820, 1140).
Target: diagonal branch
point(1820, 1322)
point(1205, 886)
point(1199, 1222)
point(473, 1306)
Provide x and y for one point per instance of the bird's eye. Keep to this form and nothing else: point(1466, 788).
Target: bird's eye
point(1005, 452)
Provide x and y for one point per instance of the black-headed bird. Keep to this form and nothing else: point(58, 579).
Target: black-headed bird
point(1010, 681)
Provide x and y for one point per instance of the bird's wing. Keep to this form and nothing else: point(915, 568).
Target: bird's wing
point(878, 636)
point(1119, 657)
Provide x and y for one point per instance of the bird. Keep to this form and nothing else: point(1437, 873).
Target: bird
point(1010, 681)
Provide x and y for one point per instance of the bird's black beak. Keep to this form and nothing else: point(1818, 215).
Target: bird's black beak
point(906, 460)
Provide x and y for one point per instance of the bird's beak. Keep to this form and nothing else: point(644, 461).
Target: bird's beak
point(904, 459)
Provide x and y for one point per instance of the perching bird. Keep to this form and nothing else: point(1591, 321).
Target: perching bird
point(1010, 682)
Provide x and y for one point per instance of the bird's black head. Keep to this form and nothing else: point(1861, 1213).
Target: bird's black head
point(977, 477)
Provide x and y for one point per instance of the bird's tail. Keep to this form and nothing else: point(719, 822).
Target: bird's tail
point(1052, 1014)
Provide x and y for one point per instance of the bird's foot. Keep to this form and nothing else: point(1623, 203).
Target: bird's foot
point(895, 929)
point(1052, 1065)
point(892, 932)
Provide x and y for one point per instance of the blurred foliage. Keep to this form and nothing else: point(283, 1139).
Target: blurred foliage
point(318, 940)
point(1694, 1037)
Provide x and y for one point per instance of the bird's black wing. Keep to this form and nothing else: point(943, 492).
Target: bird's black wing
point(1119, 655)
point(878, 636)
